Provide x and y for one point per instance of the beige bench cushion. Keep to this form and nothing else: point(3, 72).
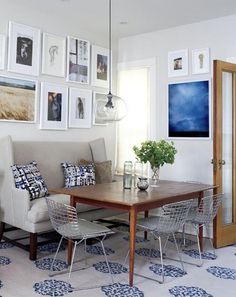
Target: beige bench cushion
point(39, 211)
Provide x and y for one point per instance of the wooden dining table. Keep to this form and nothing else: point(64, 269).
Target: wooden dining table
point(112, 195)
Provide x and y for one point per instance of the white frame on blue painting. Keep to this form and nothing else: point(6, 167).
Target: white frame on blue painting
point(189, 109)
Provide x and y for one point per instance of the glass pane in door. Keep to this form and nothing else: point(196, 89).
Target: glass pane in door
point(227, 140)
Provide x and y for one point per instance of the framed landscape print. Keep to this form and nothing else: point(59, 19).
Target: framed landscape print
point(200, 61)
point(2, 51)
point(98, 99)
point(78, 60)
point(54, 107)
point(189, 109)
point(18, 100)
point(100, 67)
point(80, 108)
point(24, 49)
point(54, 55)
point(178, 63)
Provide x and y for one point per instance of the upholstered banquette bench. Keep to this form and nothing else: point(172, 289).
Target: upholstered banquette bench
point(16, 207)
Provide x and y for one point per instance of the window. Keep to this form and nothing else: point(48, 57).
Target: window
point(134, 88)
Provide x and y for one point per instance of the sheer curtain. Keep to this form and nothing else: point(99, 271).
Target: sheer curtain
point(134, 88)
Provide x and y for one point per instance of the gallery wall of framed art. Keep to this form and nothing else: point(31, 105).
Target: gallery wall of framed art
point(32, 53)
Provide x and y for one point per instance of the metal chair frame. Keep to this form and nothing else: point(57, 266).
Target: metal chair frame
point(65, 221)
point(203, 215)
point(171, 219)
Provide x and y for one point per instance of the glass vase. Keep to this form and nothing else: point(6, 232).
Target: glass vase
point(155, 177)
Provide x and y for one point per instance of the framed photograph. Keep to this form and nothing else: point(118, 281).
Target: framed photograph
point(200, 61)
point(189, 109)
point(54, 55)
point(2, 51)
point(178, 63)
point(54, 107)
point(98, 99)
point(24, 49)
point(100, 67)
point(18, 100)
point(78, 61)
point(80, 108)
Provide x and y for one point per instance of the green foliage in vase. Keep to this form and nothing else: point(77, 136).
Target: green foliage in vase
point(157, 153)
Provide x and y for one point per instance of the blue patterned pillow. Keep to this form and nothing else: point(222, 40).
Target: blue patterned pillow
point(82, 175)
point(28, 177)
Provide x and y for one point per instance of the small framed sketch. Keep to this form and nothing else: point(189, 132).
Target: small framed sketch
point(24, 49)
point(99, 99)
point(78, 60)
point(189, 109)
point(54, 55)
point(100, 67)
point(2, 51)
point(200, 61)
point(54, 107)
point(178, 63)
point(18, 100)
point(80, 108)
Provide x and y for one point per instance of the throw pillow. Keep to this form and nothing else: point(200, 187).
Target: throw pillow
point(103, 170)
point(28, 177)
point(82, 175)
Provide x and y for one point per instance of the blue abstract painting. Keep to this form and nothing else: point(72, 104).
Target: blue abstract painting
point(189, 109)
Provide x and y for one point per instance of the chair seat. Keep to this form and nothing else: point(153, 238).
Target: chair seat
point(152, 223)
point(86, 229)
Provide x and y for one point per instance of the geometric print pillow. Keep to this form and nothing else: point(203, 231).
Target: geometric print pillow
point(28, 177)
point(82, 175)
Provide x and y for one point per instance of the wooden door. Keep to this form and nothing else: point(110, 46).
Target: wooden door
point(224, 151)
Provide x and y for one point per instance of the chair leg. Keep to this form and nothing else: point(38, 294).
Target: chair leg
point(178, 252)
point(2, 229)
point(72, 259)
point(54, 258)
point(183, 236)
point(209, 236)
point(105, 256)
point(85, 253)
point(33, 247)
point(199, 248)
point(161, 255)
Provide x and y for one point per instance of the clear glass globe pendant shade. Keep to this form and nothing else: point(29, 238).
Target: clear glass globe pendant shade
point(110, 109)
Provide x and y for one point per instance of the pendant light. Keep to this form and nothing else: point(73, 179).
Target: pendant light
point(113, 108)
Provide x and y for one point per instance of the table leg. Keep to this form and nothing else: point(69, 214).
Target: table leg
point(132, 234)
point(146, 216)
point(70, 242)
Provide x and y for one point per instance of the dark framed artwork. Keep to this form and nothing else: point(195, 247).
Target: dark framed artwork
point(189, 109)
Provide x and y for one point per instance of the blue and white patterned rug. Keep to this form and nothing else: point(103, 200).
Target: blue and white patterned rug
point(20, 277)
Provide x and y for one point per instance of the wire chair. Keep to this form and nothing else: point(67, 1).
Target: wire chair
point(171, 219)
point(65, 221)
point(203, 215)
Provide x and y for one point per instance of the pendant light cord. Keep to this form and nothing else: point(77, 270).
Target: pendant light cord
point(109, 46)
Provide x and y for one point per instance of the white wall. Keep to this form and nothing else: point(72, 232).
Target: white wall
point(194, 156)
point(50, 22)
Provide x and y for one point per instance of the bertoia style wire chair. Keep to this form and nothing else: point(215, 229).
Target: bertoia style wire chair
point(171, 219)
point(203, 215)
point(65, 221)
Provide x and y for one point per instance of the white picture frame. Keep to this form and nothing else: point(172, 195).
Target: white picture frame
point(18, 99)
point(2, 51)
point(54, 107)
point(100, 67)
point(23, 49)
point(54, 55)
point(96, 97)
point(200, 61)
point(80, 108)
point(78, 60)
point(178, 63)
